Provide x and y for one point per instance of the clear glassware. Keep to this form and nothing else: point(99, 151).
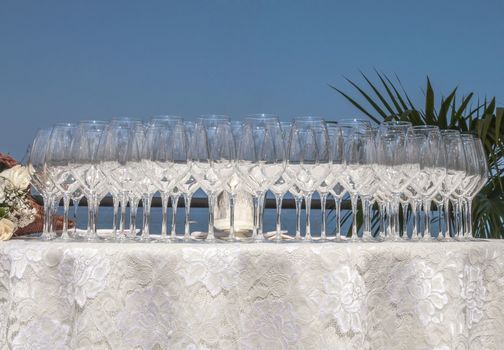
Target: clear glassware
point(405, 202)
point(181, 167)
point(477, 176)
point(40, 177)
point(358, 176)
point(112, 157)
point(260, 161)
point(296, 192)
point(337, 165)
point(188, 184)
point(337, 192)
point(394, 169)
point(84, 166)
point(165, 120)
point(154, 159)
point(410, 198)
point(231, 186)
point(483, 178)
point(455, 173)
point(140, 185)
point(308, 159)
point(148, 190)
point(76, 197)
point(159, 165)
point(362, 126)
point(212, 159)
point(349, 127)
point(368, 188)
point(282, 185)
point(121, 199)
point(427, 142)
point(57, 161)
point(279, 189)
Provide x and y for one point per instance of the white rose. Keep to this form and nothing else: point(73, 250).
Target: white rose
point(18, 176)
point(7, 228)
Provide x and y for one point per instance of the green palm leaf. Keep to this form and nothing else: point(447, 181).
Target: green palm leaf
point(484, 119)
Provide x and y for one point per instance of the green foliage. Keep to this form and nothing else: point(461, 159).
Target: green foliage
point(388, 100)
point(3, 212)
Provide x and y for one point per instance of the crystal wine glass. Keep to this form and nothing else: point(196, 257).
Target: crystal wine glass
point(57, 161)
point(84, 165)
point(337, 165)
point(260, 161)
point(212, 159)
point(308, 159)
point(40, 177)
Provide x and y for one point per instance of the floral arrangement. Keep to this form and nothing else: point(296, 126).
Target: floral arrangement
point(16, 211)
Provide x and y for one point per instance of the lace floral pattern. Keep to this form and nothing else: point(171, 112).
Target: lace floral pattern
point(83, 273)
point(216, 268)
point(43, 333)
point(417, 289)
point(239, 296)
point(153, 314)
point(344, 298)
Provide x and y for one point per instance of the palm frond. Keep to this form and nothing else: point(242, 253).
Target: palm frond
point(485, 120)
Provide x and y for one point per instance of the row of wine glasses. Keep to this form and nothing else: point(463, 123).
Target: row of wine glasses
point(392, 166)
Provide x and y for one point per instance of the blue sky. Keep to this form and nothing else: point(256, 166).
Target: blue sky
point(71, 60)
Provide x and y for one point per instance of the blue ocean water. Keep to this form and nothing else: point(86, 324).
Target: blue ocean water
point(199, 219)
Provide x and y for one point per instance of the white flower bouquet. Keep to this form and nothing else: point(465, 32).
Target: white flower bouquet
point(15, 209)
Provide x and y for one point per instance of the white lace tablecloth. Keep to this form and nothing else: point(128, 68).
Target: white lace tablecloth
point(251, 296)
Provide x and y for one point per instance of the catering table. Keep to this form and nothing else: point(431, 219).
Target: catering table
point(56, 295)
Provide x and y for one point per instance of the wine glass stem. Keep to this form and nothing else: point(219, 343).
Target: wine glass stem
point(53, 210)
point(413, 219)
point(146, 203)
point(366, 235)
point(337, 210)
point(211, 204)
point(395, 213)
point(89, 230)
point(469, 219)
point(255, 201)
point(115, 202)
point(419, 218)
point(278, 221)
point(164, 204)
point(447, 219)
point(75, 205)
point(323, 224)
point(389, 220)
point(174, 205)
point(455, 206)
point(353, 200)
point(299, 202)
point(232, 201)
point(405, 220)
point(308, 198)
point(460, 219)
point(66, 207)
point(122, 221)
point(463, 217)
point(133, 214)
point(260, 233)
point(441, 232)
point(427, 211)
point(46, 234)
point(382, 219)
point(96, 207)
point(187, 222)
